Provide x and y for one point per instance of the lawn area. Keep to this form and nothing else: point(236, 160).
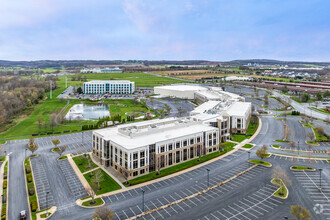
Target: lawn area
point(4, 192)
point(98, 201)
point(318, 136)
point(179, 167)
point(261, 162)
point(239, 137)
point(140, 79)
point(63, 157)
point(252, 128)
point(322, 110)
point(282, 141)
point(301, 168)
point(276, 146)
point(107, 185)
point(249, 146)
point(249, 132)
point(312, 143)
point(84, 163)
point(282, 192)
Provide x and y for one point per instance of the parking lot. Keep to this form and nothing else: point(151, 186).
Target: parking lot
point(42, 183)
point(310, 182)
point(76, 188)
point(152, 201)
point(305, 160)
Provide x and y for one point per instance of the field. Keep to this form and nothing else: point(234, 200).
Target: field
point(140, 79)
point(26, 124)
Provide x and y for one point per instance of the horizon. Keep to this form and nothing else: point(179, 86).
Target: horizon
point(212, 31)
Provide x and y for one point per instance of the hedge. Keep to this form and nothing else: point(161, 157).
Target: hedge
point(34, 205)
point(5, 184)
point(31, 190)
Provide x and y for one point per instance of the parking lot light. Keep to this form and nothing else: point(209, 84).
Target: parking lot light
point(320, 178)
point(208, 178)
point(47, 201)
point(142, 199)
point(249, 155)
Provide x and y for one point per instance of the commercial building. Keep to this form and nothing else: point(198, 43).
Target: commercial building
point(99, 70)
point(109, 86)
point(183, 91)
point(139, 148)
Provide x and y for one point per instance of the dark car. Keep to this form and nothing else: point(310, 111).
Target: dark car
point(22, 215)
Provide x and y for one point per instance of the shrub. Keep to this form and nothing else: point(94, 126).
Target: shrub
point(3, 211)
point(5, 184)
point(31, 190)
point(3, 217)
point(5, 176)
point(34, 206)
point(29, 178)
point(4, 197)
point(28, 169)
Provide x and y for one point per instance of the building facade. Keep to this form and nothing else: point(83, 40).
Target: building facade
point(143, 147)
point(99, 70)
point(109, 86)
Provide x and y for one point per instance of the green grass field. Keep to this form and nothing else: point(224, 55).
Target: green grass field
point(301, 168)
point(260, 162)
point(98, 201)
point(282, 191)
point(82, 163)
point(107, 185)
point(248, 146)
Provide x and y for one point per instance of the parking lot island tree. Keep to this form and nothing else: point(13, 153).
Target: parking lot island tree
point(300, 213)
point(103, 213)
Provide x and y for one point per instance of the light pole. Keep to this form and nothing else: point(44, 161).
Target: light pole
point(298, 148)
point(142, 199)
point(249, 155)
point(208, 178)
point(320, 178)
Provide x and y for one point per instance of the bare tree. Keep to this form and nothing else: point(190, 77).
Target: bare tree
point(40, 121)
point(126, 173)
point(92, 191)
point(103, 213)
point(61, 149)
point(98, 177)
point(293, 145)
point(310, 135)
point(33, 147)
point(280, 173)
point(262, 152)
point(300, 213)
point(310, 151)
point(31, 140)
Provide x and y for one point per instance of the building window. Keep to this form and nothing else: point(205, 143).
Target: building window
point(142, 171)
point(214, 134)
point(192, 141)
point(135, 164)
point(135, 156)
point(185, 154)
point(185, 143)
point(210, 150)
point(191, 152)
point(170, 159)
point(178, 156)
point(198, 139)
point(162, 149)
point(210, 142)
point(142, 154)
point(135, 173)
point(177, 145)
point(142, 162)
point(170, 147)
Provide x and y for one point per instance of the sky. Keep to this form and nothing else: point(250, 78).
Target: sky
point(215, 30)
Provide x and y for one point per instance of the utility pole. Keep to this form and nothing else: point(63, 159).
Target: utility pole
point(208, 178)
point(320, 179)
point(143, 200)
point(66, 81)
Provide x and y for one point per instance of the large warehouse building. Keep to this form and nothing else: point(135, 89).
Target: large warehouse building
point(109, 86)
point(182, 91)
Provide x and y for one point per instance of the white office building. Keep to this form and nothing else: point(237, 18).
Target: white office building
point(109, 86)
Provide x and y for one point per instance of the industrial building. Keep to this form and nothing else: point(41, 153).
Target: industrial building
point(103, 70)
point(109, 86)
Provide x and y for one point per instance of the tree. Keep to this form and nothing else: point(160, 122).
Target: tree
point(31, 140)
point(52, 120)
point(92, 190)
point(61, 149)
point(300, 213)
point(40, 121)
point(98, 177)
point(280, 173)
point(285, 89)
point(126, 174)
point(222, 146)
point(310, 135)
point(33, 147)
point(320, 131)
point(319, 96)
point(56, 142)
point(293, 145)
point(103, 213)
point(262, 152)
point(79, 90)
point(326, 93)
point(304, 97)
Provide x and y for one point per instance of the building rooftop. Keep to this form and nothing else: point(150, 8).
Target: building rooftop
point(238, 108)
point(109, 81)
point(203, 108)
point(183, 87)
point(141, 134)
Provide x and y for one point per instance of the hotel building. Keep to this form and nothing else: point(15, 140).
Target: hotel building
point(109, 86)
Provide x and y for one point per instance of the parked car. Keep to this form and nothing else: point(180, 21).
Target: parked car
point(22, 215)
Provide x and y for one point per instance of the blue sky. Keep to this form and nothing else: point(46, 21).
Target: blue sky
point(165, 30)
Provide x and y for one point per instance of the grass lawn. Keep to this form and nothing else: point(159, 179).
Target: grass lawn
point(2, 158)
point(318, 136)
point(302, 168)
point(322, 110)
point(248, 146)
point(239, 137)
point(249, 132)
point(276, 146)
point(107, 185)
point(63, 157)
point(282, 141)
point(56, 149)
point(282, 191)
point(312, 143)
point(33, 198)
point(261, 162)
point(179, 167)
point(83, 164)
point(45, 215)
point(98, 201)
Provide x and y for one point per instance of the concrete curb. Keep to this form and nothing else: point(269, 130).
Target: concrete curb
point(79, 202)
point(287, 195)
point(192, 196)
point(291, 168)
point(52, 210)
point(2, 171)
point(299, 157)
point(78, 173)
